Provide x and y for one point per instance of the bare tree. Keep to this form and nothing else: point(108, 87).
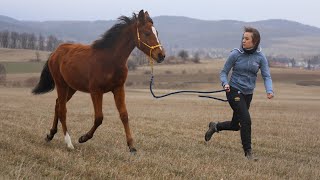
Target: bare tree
point(28, 41)
point(3, 74)
point(293, 62)
point(141, 58)
point(52, 43)
point(4, 38)
point(138, 58)
point(41, 46)
point(24, 40)
point(132, 65)
point(14, 40)
point(308, 64)
point(37, 56)
point(315, 60)
point(31, 43)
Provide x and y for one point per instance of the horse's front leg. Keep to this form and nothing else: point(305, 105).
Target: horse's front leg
point(119, 97)
point(97, 105)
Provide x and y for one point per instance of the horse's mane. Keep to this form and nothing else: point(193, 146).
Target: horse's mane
point(108, 38)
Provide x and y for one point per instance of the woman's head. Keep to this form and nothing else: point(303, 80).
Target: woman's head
point(250, 38)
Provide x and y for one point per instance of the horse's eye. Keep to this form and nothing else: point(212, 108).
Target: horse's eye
point(147, 33)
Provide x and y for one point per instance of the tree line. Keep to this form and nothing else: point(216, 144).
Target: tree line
point(15, 40)
point(311, 62)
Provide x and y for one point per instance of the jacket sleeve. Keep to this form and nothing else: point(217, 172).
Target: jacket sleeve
point(265, 72)
point(227, 67)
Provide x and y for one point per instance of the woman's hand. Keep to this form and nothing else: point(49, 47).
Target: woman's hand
point(226, 87)
point(270, 95)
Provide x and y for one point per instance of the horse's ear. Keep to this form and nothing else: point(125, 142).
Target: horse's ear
point(142, 17)
point(147, 14)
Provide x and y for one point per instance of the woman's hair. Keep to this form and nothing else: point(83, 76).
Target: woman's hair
point(255, 35)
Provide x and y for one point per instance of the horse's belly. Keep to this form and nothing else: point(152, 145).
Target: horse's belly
point(75, 79)
point(78, 84)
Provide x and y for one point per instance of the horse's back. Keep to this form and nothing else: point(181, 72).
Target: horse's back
point(69, 53)
point(70, 49)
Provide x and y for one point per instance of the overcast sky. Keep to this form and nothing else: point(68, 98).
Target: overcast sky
point(303, 11)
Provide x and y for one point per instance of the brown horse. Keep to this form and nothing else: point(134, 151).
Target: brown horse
point(97, 69)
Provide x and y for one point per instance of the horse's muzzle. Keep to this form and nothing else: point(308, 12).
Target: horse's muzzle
point(160, 57)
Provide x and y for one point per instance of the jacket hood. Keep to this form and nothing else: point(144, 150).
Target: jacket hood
point(259, 49)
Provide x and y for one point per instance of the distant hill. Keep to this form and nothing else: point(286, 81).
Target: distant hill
point(278, 36)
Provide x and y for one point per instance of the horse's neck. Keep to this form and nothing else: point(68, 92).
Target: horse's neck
point(124, 46)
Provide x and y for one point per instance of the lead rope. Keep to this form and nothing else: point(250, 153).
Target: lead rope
point(176, 92)
point(187, 91)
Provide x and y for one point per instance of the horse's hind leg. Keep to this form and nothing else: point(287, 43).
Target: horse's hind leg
point(97, 105)
point(54, 128)
point(119, 97)
point(63, 92)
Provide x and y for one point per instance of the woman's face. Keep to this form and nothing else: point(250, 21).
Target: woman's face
point(247, 42)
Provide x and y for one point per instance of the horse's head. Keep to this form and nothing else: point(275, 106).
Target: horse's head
point(147, 37)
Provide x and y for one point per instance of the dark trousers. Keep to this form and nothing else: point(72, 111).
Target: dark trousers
point(241, 120)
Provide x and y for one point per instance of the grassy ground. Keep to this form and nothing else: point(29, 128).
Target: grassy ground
point(23, 67)
point(168, 133)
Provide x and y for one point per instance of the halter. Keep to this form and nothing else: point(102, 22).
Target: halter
point(150, 47)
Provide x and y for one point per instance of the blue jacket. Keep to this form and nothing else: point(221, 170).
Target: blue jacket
point(244, 71)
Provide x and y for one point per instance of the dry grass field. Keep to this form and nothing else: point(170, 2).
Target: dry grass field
point(21, 55)
point(168, 132)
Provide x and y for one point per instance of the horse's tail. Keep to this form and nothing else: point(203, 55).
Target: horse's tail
point(46, 83)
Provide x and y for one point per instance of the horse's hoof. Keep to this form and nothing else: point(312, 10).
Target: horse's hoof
point(70, 147)
point(49, 138)
point(84, 138)
point(133, 150)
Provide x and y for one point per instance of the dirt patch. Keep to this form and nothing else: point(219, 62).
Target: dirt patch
point(308, 83)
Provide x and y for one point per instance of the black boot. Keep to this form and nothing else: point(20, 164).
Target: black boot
point(212, 129)
point(249, 155)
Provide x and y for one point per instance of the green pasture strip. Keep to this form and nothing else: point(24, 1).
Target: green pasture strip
point(23, 67)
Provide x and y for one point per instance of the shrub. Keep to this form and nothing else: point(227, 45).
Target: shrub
point(31, 82)
point(132, 65)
